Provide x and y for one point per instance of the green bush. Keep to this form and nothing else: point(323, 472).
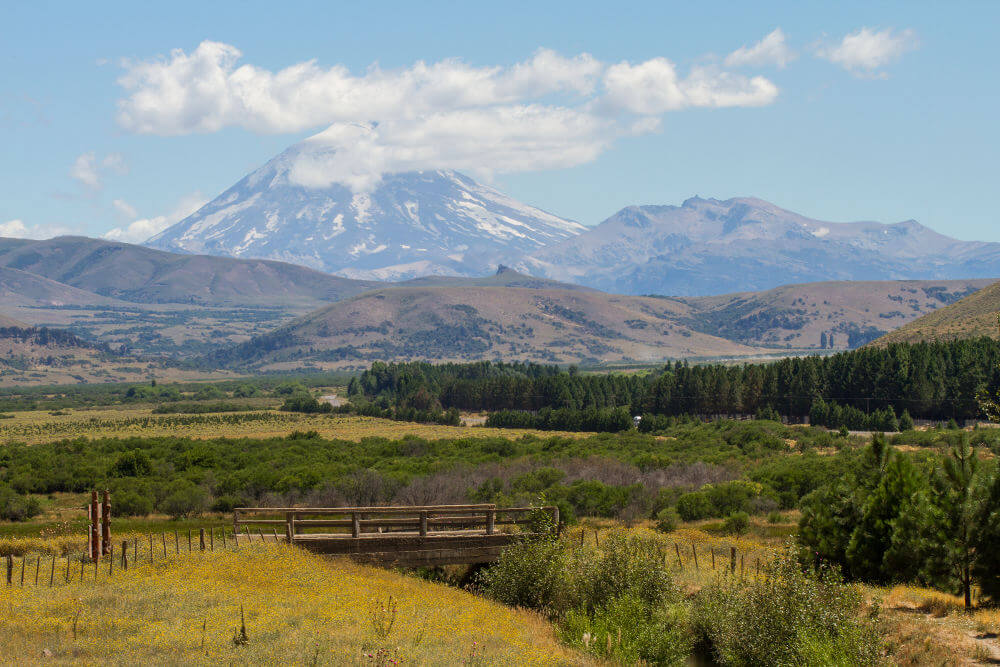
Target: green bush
point(15, 507)
point(627, 631)
point(737, 523)
point(787, 617)
point(667, 520)
point(774, 517)
point(131, 503)
point(534, 574)
point(184, 498)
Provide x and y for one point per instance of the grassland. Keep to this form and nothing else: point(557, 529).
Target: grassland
point(38, 426)
point(972, 317)
point(299, 609)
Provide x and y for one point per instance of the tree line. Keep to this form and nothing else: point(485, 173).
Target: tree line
point(934, 380)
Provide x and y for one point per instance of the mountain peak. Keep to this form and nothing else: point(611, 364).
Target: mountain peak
point(431, 222)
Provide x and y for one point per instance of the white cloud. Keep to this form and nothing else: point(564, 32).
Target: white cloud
point(865, 51)
point(548, 111)
point(125, 209)
point(653, 88)
point(140, 230)
point(771, 50)
point(18, 229)
point(89, 170)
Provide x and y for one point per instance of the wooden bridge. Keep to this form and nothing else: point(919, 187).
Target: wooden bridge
point(414, 536)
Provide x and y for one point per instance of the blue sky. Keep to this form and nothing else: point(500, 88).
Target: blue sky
point(896, 121)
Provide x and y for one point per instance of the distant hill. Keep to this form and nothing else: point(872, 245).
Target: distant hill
point(711, 246)
point(20, 288)
point(143, 275)
point(828, 315)
point(10, 322)
point(972, 317)
point(469, 323)
point(504, 277)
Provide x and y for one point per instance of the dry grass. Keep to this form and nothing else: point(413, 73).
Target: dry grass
point(299, 608)
point(39, 426)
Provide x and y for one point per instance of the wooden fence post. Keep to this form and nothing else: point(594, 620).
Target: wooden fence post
point(106, 523)
point(83, 563)
point(423, 524)
point(713, 557)
point(732, 560)
point(124, 554)
point(66, 573)
point(38, 566)
point(177, 542)
point(10, 569)
point(22, 571)
point(597, 538)
point(150, 547)
point(52, 573)
point(694, 553)
point(355, 525)
point(201, 538)
point(678, 550)
point(491, 522)
point(189, 540)
point(741, 566)
point(163, 542)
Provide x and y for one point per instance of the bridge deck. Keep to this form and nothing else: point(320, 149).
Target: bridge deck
point(405, 536)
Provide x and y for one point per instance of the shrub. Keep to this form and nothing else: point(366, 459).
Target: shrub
point(774, 517)
point(627, 631)
point(131, 503)
point(14, 507)
point(533, 575)
point(736, 523)
point(694, 506)
point(788, 617)
point(184, 498)
point(305, 403)
point(905, 421)
point(667, 520)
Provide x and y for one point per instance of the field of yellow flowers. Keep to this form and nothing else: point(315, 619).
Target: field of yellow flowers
point(265, 604)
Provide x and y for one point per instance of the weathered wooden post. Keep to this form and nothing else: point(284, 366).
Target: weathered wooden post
point(677, 548)
point(52, 572)
point(694, 554)
point(423, 524)
point(189, 540)
point(732, 560)
point(355, 525)
point(10, 569)
point(177, 542)
point(290, 526)
point(38, 567)
point(95, 527)
point(124, 554)
point(22, 570)
point(201, 538)
point(713, 557)
point(106, 523)
point(491, 521)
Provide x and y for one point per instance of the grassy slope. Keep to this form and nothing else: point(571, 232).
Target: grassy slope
point(972, 317)
point(796, 315)
point(299, 608)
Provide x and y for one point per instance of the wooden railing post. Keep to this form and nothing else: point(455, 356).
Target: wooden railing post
point(555, 520)
point(423, 524)
point(732, 559)
point(124, 554)
point(491, 522)
point(355, 525)
point(201, 538)
point(290, 526)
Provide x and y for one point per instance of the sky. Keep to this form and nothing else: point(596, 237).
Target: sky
point(118, 119)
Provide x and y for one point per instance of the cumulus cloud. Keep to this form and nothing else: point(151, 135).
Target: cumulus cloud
point(143, 229)
point(18, 229)
point(865, 51)
point(89, 170)
point(124, 209)
point(548, 111)
point(772, 50)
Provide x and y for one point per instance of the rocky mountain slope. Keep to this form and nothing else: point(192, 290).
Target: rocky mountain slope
point(707, 246)
point(411, 224)
point(974, 316)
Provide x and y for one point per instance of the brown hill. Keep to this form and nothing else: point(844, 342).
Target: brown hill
point(470, 323)
point(842, 314)
point(974, 316)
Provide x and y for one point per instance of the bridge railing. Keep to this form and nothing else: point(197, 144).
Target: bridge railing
point(371, 522)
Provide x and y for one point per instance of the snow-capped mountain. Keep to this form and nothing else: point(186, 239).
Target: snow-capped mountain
point(411, 224)
point(708, 246)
